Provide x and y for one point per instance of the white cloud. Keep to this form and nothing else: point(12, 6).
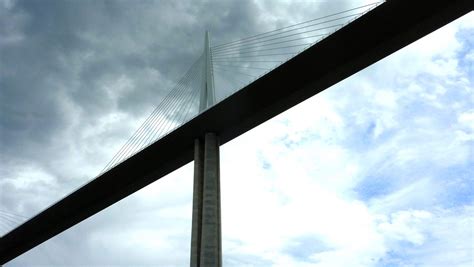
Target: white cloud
point(307, 188)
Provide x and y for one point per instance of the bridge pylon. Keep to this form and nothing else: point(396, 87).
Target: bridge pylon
point(206, 237)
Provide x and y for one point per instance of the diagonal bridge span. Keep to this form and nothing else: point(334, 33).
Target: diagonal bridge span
point(375, 35)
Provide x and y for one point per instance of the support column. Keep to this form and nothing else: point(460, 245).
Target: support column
point(206, 236)
point(211, 251)
point(197, 202)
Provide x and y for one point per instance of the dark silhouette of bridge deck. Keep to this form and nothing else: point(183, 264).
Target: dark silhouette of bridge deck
point(382, 31)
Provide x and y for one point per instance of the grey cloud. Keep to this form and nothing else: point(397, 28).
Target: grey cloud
point(72, 50)
point(53, 91)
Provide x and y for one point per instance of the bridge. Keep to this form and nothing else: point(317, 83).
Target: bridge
point(191, 122)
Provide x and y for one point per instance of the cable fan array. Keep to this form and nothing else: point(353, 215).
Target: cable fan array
point(234, 65)
point(240, 62)
point(176, 108)
point(9, 221)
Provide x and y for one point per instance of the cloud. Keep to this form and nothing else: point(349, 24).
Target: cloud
point(79, 77)
point(365, 168)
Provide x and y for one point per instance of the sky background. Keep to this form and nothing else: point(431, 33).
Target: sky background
point(375, 171)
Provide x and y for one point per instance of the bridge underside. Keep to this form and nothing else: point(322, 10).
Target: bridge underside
point(384, 30)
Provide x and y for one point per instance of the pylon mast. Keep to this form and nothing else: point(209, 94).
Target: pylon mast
point(208, 96)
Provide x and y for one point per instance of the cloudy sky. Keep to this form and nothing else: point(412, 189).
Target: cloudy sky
point(375, 171)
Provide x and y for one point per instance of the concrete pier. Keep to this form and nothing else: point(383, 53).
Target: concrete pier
point(197, 202)
point(206, 237)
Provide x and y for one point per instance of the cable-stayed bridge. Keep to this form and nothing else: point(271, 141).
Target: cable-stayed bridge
point(255, 78)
